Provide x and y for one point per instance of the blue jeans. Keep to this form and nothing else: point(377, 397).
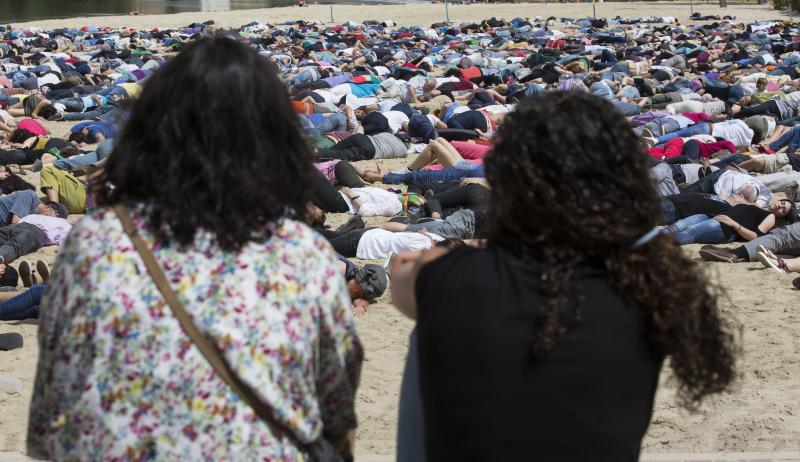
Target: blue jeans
point(89, 115)
point(459, 225)
point(668, 213)
point(23, 306)
point(113, 91)
point(698, 229)
point(303, 77)
point(663, 125)
point(336, 122)
point(84, 160)
point(790, 138)
point(697, 129)
point(440, 176)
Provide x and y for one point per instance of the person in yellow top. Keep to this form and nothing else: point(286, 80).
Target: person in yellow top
point(132, 89)
point(61, 187)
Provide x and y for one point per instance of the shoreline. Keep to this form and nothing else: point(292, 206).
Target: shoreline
point(412, 14)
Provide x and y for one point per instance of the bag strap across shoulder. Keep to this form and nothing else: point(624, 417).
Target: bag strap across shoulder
point(203, 343)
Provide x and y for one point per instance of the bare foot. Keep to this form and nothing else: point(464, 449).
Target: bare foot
point(372, 177)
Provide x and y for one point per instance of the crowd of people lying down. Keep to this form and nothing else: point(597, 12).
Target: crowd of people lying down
point(565, 112)
point(715, 103)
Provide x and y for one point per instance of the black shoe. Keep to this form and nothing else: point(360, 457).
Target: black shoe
point(10, 341)
point(352, 224)
point(400, 219)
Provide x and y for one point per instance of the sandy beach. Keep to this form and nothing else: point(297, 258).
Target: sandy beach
point(761, 413)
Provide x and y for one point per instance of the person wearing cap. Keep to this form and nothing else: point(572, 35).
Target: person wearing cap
point(363, 283)
point(48, 226)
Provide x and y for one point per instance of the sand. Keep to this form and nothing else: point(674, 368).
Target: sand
point(761, 414)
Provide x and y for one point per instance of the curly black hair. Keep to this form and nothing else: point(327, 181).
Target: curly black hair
point(571, 186)
point(19, 135)
point(212, 143)
point(14, 183)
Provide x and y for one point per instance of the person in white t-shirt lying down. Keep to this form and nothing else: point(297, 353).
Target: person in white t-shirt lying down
point(377, 243)
point(372, 202)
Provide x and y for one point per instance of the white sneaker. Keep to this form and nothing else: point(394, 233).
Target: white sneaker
point(402, 171)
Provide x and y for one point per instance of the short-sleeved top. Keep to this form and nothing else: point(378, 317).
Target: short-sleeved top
point(487, 397)
point(107, 130)
point(19, 203)
point(388, 146)
point(132, 89)
point(30, 103)
point(749, 216)
point(688, 204)
point(469, 120)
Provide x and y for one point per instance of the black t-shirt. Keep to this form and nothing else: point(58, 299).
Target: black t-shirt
point(688, 204)
point(749, 216)
point(794, 161)
point(487, 398)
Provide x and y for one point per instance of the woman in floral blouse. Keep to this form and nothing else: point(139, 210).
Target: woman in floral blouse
point(212, 168)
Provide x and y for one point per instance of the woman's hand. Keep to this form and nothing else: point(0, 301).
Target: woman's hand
point(405, 269)
point(726, 220)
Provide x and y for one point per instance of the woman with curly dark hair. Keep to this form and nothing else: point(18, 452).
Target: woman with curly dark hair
point(547, 343)
point(201, 194)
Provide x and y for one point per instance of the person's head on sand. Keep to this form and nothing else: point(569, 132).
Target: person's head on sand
point(212, 143)
point(564, 171)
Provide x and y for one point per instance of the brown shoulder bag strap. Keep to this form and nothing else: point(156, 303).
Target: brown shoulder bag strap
point(200, 340)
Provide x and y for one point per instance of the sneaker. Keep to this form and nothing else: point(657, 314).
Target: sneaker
point(38, 165)
point(718, 254)
point(43, 270)
point(25, 273)
point(402, 171)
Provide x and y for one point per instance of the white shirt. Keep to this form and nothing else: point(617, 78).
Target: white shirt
point(396, 120)
point(434, 120)
point(378, 243)
point(418, 82)
point(498, 108)
point(54, 229)
point(382, 70)
point(729, 182)
point(441, 80)
point(735, 131)
point(47, 79)
point(375, 202)
point(328, 96)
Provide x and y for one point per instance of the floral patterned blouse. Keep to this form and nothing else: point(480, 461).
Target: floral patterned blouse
point(118, 379)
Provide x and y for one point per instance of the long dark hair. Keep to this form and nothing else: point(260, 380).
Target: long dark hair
point(212, 143)
point(14, 183)
point(571, 186)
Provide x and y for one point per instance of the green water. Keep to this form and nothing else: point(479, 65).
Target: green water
point(31, 10)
